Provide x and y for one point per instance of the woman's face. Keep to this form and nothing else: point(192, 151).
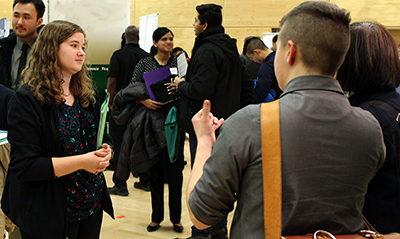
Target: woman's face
point(166, 43)
point(71, 54)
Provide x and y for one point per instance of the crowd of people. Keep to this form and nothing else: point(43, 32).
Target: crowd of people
point(334, 84)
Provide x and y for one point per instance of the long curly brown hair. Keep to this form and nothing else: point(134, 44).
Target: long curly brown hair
point(43, 73)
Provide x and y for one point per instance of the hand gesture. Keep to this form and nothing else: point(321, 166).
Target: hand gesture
point(205, 123)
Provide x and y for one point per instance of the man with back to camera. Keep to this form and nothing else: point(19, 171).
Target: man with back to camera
point(122, 64)
point(215, 72)
point(266, 87)
point(27, 18)
point(329, 150)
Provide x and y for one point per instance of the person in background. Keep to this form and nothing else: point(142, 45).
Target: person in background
point(5, 96)
point(329, 149)
point(252, 67)
point(55, 187)
point(122, 64)
point(215, 72)
point(144, 146)
point(370, 73)
point(123, 40)
point(274, 40)
point(16, 48)
point(266, 86)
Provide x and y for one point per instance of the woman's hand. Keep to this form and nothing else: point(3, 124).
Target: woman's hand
point(150, 104)
point(97, 161)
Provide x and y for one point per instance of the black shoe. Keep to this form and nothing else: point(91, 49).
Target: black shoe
point(153, 228)
point(118, 191)
point(178, 228)
point(138, 185)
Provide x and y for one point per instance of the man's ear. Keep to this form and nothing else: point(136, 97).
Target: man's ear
point(39, 22)
point(292, 53)
point(257, 51)
point(205, 25)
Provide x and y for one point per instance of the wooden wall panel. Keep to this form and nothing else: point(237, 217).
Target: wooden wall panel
point(257, 12)
point(6, 9)
point(396, 36)
point(240, 33)
point(172, 13)
point(384, 11)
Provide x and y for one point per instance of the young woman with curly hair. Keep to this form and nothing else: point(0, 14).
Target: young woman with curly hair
point(55, 187)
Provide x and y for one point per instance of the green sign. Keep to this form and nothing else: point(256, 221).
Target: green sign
point(98, 74)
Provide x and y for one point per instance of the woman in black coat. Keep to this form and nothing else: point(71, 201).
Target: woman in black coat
point(370, 73)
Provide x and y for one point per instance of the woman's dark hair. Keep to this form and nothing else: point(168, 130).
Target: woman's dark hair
point(372, 62)
point(210, 13)
point(160, 32)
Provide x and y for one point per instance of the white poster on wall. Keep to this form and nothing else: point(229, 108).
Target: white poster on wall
point(147, 25)
point(104, 21)
point(267, 38)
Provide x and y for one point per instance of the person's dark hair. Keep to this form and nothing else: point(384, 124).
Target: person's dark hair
point(123, 40)
point(210, 13)
point(252, 43)
point(275, 38)
point(178, 50)
point(321, 31)
point(153, 50)
point(372, 62)
point(132, 34)
point(39, 6)
point(160, 32)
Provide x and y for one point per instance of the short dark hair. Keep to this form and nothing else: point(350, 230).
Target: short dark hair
point(210, 13)
point(39, 6)
point(321, 31)
point(252, 43)
point(275, 38)
point(372, 62)
point(132, 34)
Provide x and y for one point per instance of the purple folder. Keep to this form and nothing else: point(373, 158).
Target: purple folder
point(152, 77)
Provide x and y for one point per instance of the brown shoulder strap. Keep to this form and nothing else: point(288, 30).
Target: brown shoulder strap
point(272, 182)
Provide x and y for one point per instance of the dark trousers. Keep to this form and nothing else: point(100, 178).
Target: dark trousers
point(88, 228)
point(175, 178)
point(116, 133)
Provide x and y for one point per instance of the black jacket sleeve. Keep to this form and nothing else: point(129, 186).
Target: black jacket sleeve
point(26, 134)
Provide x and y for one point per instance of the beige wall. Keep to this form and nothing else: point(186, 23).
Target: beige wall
point(242, 18)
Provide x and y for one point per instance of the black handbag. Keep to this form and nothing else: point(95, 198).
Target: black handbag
point(161, 92)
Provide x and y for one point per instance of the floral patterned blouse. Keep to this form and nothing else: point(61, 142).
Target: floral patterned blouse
point(78, 133)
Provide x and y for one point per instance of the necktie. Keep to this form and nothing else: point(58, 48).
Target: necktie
point(22, 63)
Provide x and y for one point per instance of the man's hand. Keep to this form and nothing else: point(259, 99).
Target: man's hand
point(173, 87)
point(205, 124)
